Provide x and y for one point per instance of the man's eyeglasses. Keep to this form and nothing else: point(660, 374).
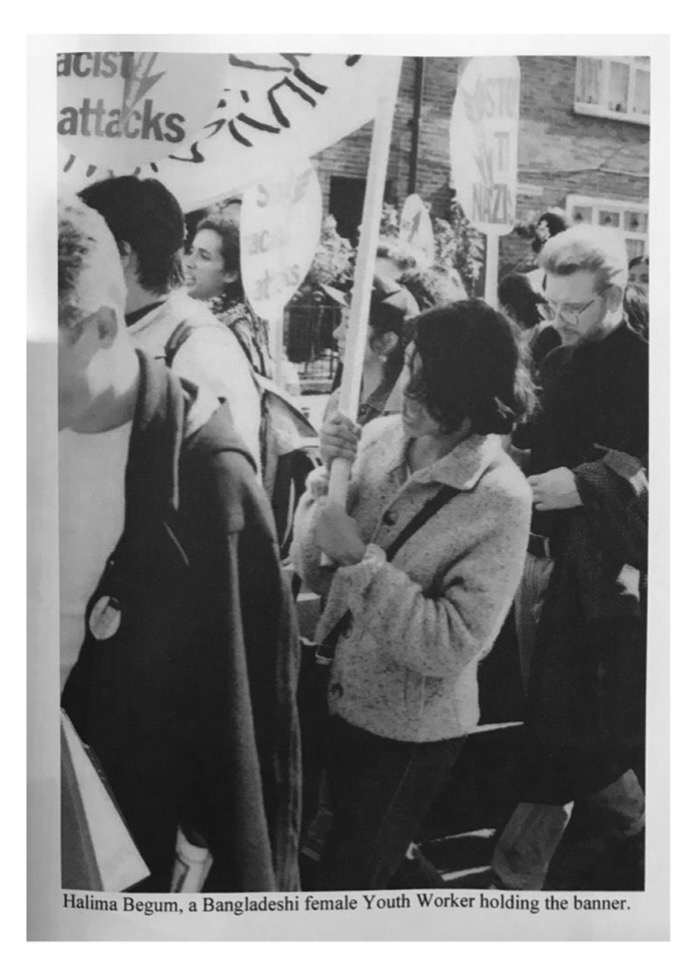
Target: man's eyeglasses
point(567, 312)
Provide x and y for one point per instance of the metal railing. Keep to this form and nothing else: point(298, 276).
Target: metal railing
point(310, 344)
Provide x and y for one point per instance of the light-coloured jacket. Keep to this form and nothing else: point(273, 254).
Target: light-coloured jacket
point(407, 667)
point(210, 357)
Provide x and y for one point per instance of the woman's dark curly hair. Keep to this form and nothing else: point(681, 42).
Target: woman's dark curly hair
point(471, 366)
point(636, 308)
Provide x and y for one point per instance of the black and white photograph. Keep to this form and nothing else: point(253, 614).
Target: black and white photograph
point(344, 633)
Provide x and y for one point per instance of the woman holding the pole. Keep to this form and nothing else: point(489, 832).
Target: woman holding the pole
point(426, 561)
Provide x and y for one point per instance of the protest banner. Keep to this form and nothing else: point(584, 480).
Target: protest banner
point(416, 232)
point(483, 148)
point(267, 111)
point(364, 268)
point(280, 221)
point(122, 109)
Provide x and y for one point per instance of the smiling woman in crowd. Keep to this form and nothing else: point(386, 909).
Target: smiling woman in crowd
point(426, 561)
point(212, 274)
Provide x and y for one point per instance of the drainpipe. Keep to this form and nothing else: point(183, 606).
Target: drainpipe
point(417, 118)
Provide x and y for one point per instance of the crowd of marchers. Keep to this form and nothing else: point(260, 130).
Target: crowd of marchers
point(499, 463)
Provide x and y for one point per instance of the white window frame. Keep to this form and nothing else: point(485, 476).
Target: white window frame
point(596, 204)
point(601, 111)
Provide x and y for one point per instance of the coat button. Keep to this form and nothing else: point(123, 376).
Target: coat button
point(336, 690)
point(390, 518)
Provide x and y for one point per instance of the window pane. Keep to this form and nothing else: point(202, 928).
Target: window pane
point(618, 87)
point(641, 93)
point(608, 218)
point(590, 81)
point(638, 222)
point(582, 214)
point(634, 248)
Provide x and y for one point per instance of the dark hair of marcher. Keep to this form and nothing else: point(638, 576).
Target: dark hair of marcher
point(145, 215)
point(549, 224)
point(521, 300)
point(636, 308)
point(471, 367)
point(229, 233)
point(641, 259)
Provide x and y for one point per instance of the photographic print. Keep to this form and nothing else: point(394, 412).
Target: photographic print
point(347, 626)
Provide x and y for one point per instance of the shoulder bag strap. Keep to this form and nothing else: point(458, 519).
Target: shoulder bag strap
point(177, 339)
point(431, 507)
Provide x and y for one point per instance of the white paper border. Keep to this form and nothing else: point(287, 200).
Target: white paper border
point(658, 764)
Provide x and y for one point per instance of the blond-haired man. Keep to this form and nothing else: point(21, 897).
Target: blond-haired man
point(580, 608)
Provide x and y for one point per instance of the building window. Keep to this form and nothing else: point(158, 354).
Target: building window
point(631, 219)
point(614, 88)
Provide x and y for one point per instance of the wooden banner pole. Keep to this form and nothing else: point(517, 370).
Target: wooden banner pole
point(364, 270)
point(492, 258)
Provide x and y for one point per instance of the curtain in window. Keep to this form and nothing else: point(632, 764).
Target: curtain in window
point(619, 86)
point(634, 248)
point(637, 221)
point(608, 218)
point(590, 81)
point(641, 93)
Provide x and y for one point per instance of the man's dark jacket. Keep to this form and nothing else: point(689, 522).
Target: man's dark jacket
point(586, 702)
point(586, 707)
point(190, 705)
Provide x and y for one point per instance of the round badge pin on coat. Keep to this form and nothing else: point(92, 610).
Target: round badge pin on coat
point(105, 618)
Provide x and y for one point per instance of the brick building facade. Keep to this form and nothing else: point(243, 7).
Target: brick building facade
point(583, 146)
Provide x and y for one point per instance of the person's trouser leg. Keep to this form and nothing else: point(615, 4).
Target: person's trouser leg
point(381, 791)
point(529, 602)
point(527, 844)
point(620, 808)
point(526, 847)
point(524, 851)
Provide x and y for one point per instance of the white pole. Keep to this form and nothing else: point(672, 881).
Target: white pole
point(364, 271)
point(492, 258)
